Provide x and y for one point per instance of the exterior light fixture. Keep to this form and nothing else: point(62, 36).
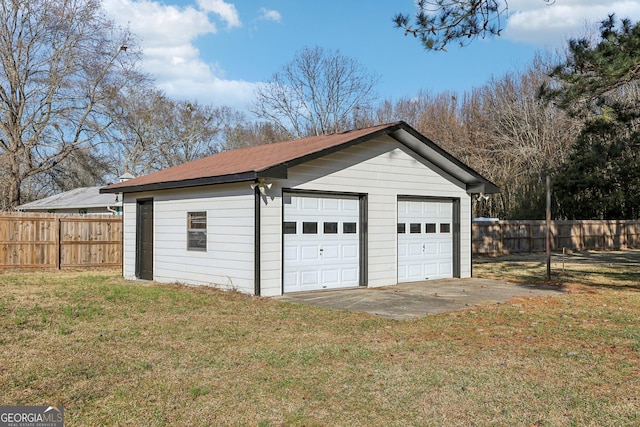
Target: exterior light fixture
point(262, 186)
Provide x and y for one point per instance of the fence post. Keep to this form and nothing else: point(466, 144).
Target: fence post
point(58, 243)
point(548, 221)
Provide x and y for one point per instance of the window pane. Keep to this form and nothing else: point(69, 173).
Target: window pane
point(402, 228)
point(445, 228)
point(197, 231)
point(197, 220)
point(197, 240)
point(415, 228)
point(330, 228)
point(309, 228)
point(289, 227)
point(349, 228)
point(430, 228)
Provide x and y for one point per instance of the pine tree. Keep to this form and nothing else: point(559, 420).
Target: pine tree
point(601, 83)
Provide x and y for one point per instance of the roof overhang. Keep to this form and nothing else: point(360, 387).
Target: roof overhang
point(474, 182)
point(197, 182)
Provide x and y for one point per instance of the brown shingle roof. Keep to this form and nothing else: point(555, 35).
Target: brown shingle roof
point(273, 161)
point(247, 163)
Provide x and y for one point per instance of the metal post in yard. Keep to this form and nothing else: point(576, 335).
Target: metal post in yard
point(548, 228)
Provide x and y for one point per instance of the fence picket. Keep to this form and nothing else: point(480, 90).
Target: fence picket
point(39, 240)
point(572, 235)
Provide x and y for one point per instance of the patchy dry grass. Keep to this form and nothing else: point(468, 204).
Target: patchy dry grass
point(118, 353)
point(579, 270)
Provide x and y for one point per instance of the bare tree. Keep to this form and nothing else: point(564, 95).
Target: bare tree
point(503, 129)
point(156, 132)
point(520, 136)
point(318, 92)
point(62, 64)
point(245, 134)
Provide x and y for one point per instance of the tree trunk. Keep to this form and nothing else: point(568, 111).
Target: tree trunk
point(14, 191)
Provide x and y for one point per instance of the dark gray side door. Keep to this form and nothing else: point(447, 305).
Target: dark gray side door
point(144, 239)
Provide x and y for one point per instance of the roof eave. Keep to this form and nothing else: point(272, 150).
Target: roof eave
point(474, 182)
point(197, 182)
point(486, 187)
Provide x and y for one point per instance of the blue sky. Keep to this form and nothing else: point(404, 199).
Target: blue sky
point(218, 51)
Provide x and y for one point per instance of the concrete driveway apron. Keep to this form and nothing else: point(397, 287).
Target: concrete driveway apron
point(419, 299)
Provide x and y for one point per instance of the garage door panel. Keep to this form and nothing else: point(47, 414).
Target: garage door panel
point(431, 249)
point(330, 277)
point(308, 203)
point(414, 249)
point(425, 240)
point(330, 205)
point(309, 278)
point(350, 252)
point(349, 275)
point(402, 250)
point(414, 270)
point(329, 253)
point(431, 208)
point(445, 269)
point(445, 248)
point(430, 269)
point(291, 254)
point(309, 253)
point(290, 279)
point(352, 206)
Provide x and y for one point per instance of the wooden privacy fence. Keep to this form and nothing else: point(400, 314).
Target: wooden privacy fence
point(505, 237)
point(59, 241)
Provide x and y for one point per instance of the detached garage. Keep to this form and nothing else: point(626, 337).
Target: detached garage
point(368, 207)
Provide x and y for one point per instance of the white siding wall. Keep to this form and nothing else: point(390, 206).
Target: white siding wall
point(383, 170)
point(229, 259)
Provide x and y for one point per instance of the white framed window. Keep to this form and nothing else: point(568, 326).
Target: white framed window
point(197, 231)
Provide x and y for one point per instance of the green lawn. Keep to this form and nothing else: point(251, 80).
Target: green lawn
point(120, 353)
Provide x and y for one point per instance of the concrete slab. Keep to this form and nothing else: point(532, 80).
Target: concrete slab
point(419, 299)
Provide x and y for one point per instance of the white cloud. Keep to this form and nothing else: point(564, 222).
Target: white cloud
point(168, 34)
point(226, 11)
point(551, 23)
point(269, 15)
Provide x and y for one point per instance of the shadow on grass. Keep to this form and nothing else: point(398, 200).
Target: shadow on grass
point(611, 270)
point(597, 278)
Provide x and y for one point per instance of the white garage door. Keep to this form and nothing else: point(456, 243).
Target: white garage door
point(321, 242)
point(425, 240)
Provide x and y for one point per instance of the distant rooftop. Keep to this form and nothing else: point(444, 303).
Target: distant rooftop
point(79, 198)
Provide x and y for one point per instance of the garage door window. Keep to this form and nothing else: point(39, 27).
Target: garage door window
point(309, 228)
point(430, 228)
point(402, 228)
point(415, 228)
point(289, 227)
point(197, 231)
point(445, 228)
point(349, 228)
point(330, 228)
